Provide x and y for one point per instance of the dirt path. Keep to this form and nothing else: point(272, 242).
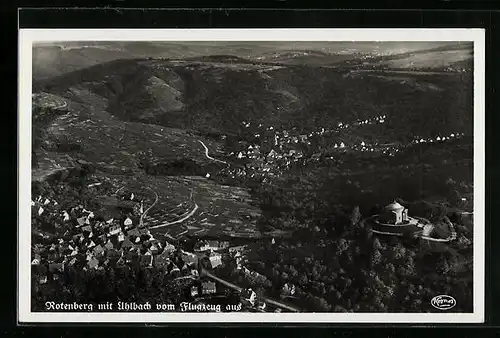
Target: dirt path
point(150, 207)
point(208, 156)
point(64, 105)
point(450, 238)
point(189, 215)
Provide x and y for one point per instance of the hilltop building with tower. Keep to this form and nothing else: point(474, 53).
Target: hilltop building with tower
point(394, 220)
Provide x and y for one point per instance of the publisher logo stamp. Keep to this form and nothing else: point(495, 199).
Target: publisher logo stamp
point(443, 302)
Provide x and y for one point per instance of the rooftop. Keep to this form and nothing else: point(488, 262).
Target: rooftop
point(394, 206)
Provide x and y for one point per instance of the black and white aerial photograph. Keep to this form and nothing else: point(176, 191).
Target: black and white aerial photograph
point(252, 176)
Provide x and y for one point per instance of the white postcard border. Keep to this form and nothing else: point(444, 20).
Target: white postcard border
point(27, 37)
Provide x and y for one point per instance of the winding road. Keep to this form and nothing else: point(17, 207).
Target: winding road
point(150, 207)
point(195, 208)
point(64, 105)
point(144, 214)
point(452, 237)
point(189, 215)
point(208, 156)
point(239, 289)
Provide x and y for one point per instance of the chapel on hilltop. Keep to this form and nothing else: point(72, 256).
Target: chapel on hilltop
point(394, 213)
point(394, 220)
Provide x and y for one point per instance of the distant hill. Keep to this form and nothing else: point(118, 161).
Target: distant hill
point(211, 96)
point(54, 59)
point(218, 58)
point(444, 57)
point(85, 130)
point(49, 61)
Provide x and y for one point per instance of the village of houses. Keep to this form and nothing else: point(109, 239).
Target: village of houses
point(90, 244)
point(286, 146)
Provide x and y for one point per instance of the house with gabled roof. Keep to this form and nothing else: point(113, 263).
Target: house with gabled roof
point(153, 248)
point(121, 237)
point(128, 223)
point(36, 256)
point(109, 245)
point(98, 250)
point(215, 260)
point(65, 216)
point(81, 221)
point(74, 251)
point(114, 229)
point(272, 154)
point(91, 244)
